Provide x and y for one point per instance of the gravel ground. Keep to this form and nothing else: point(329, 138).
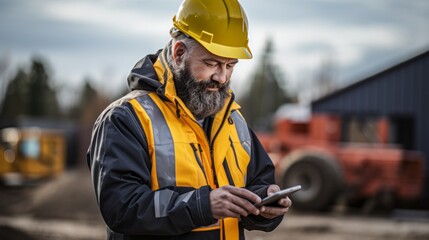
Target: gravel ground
point(65, 209)
point(333, 227)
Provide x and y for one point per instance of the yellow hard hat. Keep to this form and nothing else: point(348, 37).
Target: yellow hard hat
point(219, 25)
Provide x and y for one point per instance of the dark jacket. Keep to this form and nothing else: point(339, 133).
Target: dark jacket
point(121, 163)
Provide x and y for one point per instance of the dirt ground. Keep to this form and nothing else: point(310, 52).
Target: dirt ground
point(65, 209)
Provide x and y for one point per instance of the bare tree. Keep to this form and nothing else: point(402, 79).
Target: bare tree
point(324, 81)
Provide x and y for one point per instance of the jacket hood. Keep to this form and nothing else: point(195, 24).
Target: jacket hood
point(143, 75)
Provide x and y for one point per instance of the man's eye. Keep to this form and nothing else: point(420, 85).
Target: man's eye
point(210, 64)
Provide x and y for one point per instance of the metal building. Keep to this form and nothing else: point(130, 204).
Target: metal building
point(399, 94)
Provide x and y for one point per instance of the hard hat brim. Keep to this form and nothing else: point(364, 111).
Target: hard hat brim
point(227, 51)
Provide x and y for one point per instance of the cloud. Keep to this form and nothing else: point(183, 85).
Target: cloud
point(352, 34)
point(100, 38)
point(110, 16)
point(302, 47)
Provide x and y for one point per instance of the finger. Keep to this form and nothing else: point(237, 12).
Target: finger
point(271, 212)
point(244, 205)
point(230, 213)
point(247, 199)
point(238, 209)
point(275, 211)
point(272, 189)
point(244, 193)
point(236, 203)
point(285, 202)
point(269, 216)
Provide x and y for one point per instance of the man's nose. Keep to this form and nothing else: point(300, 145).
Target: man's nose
point(220, 75)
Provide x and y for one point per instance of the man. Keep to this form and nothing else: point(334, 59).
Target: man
point(174, 159)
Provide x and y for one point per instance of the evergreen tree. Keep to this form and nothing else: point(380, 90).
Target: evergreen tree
point(265, 94)
point(14, 103)
point(42, 99)
point(31, 94)
point(87, 95)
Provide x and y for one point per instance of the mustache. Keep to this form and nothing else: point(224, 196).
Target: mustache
point(208, 83)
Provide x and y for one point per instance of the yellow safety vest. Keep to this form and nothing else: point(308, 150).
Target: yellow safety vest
point(180, 152)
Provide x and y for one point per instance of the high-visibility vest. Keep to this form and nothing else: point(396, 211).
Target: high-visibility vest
point(180, 152)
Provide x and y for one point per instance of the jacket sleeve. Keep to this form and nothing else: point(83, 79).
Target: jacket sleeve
point(120, 170)
point(260, 174)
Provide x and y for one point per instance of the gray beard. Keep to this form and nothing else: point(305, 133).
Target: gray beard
point(195, 96)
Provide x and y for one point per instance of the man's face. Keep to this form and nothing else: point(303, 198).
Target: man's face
point(202, 81)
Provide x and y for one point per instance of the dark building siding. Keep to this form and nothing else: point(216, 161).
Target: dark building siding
point(401, 91)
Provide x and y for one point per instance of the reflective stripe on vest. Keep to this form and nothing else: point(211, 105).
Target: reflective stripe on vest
point(243, 131)
point(179, 160)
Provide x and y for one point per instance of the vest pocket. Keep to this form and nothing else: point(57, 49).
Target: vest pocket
point(188, 173)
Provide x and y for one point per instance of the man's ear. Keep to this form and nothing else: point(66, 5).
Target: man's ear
point(179, 51)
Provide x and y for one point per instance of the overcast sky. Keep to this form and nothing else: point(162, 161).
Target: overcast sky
point(103, 39)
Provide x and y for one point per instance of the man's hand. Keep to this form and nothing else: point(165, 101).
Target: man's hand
point(272, 212)
point(230, 201)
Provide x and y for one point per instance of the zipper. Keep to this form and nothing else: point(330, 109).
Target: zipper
point(197, 157)
point(211, 145)
point(177, 108)
point(223, 121)
point(215, 136)
point(199, 146)
point(235, 156)
point(228, 172)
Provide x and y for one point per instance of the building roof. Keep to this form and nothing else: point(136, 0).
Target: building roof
point(373, 77)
